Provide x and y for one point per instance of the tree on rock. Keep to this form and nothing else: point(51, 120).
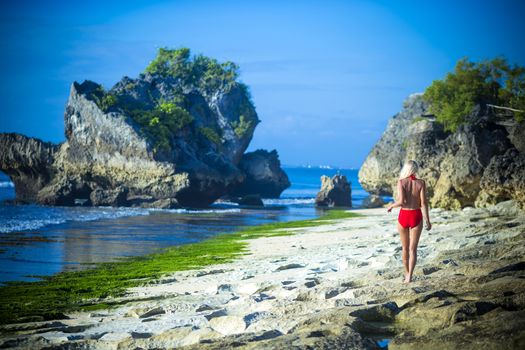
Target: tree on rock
point(493, 83)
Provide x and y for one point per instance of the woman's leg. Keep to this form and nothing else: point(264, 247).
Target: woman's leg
point(405, 245)
point(415, 233)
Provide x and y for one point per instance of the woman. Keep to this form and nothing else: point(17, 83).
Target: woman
point(411, 193)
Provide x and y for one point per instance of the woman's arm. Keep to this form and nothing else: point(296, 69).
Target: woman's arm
point(400, 197)
point(424, 204)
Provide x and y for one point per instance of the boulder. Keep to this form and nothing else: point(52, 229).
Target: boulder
point(467, 153)
point(335, 192)
point(451, 163)
point(263, 175)
point(158, 140)
point(373, 201)
point(116, 197)
point(504, 179)
point(227, 325)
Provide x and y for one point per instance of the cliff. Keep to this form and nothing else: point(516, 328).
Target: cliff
point(479, 164)
point(172, 137)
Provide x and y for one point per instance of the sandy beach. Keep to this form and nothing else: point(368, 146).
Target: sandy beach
point(337, 285)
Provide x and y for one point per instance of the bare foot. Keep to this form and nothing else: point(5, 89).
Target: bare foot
point(407, 279)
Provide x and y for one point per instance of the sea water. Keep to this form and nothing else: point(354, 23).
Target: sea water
point(39, 240)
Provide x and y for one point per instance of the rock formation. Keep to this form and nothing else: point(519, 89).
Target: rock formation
point(335, 192)
point(263, 175)
point(453, 164)
point(504, 178)
point(385, 159)
point(159, 140)
point(26, 161)
point(373, 201)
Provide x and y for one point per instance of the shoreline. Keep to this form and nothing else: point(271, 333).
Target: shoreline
point(86, 288)
point(306, 290)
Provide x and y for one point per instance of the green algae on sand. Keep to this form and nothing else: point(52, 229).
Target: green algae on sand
point(90, 289)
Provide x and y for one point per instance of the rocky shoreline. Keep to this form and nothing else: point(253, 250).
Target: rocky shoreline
point(336, 286)
point(479, 164)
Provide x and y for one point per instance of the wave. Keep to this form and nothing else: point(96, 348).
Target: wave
point(6, 184)
point(32, 217)
point(198, 211)
point(287, 201)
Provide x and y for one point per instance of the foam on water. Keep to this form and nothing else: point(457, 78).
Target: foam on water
point(305, 185)
point(288, 201)
point(32, 217)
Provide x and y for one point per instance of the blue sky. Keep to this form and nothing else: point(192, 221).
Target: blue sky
point(325, 76)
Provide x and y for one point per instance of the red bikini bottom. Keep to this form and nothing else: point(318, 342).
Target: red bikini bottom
point(410, 218)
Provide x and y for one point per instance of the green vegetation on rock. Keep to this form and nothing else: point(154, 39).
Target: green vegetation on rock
point(203, 72)
point(161, 123)
point(242, 126)
point(103, 99)
point(493, 82)
point(210, 134)
point(91, 289)
point(182, 74)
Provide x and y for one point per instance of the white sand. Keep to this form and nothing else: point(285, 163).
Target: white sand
point(282, 281)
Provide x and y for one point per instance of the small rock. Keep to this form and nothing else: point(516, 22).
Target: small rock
point(335, 191)
point(373, 201)
point(307, 296)
point(312, 282)
point(255, 317)
point(262, 297)
point(225, 288)
point(218, 313)
point(290, 266)
point(114, 337)
point(267, 335)
point(227, 325)
point(334, 292)
point(205, 307)
point(138, 335)
point(430, 270)
point(423, 289)
point(153, 312)
point(449, 262)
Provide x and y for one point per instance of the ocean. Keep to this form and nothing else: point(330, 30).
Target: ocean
point(38, 240)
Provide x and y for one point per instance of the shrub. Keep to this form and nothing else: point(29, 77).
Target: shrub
point(210, 134)
point(203, 72)
point(242, 126)
point(161, 124)
point(170, 62)
point(492, 82)
point(104, 100)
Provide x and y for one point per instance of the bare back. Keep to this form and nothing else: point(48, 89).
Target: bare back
point(410, 192)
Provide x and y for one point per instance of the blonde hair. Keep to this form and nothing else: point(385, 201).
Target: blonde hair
point(408, 169)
